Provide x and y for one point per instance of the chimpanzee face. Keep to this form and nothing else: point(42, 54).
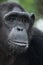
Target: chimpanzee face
point(17, 26)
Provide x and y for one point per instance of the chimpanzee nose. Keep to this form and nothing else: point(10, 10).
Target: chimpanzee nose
point(19, 28)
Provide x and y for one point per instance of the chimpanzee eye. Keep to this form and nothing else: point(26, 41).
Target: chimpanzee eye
point(10, 18)
point(25, 21)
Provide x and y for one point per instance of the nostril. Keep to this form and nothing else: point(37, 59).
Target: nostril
point(21, 29)
point(18, 29)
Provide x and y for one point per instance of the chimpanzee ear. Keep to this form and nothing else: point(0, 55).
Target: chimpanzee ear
point(32, 17)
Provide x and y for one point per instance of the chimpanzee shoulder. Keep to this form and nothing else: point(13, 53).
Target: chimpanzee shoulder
point(36, 48)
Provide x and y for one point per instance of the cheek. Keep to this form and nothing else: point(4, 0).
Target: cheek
point(27, 26)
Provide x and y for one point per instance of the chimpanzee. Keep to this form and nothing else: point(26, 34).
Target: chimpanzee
point(20, 43)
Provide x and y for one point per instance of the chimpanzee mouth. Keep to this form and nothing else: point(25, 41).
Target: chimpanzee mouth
point(18, 43)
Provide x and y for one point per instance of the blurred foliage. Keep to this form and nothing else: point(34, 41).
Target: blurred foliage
point(39, 4)
point(29, 5)
point(17, 1)
point(2, 0)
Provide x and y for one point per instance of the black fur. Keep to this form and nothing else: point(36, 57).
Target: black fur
point(36, 48)
point(34, 54)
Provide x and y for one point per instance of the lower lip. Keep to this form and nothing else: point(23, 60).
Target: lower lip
point(18, 43)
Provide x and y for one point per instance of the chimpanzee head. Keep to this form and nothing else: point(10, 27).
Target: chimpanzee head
point(15, 27)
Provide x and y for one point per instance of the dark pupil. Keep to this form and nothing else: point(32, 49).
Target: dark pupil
point(11, 18)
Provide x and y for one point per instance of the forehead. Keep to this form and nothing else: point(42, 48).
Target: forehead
point(6, 7)
point(17, 9)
